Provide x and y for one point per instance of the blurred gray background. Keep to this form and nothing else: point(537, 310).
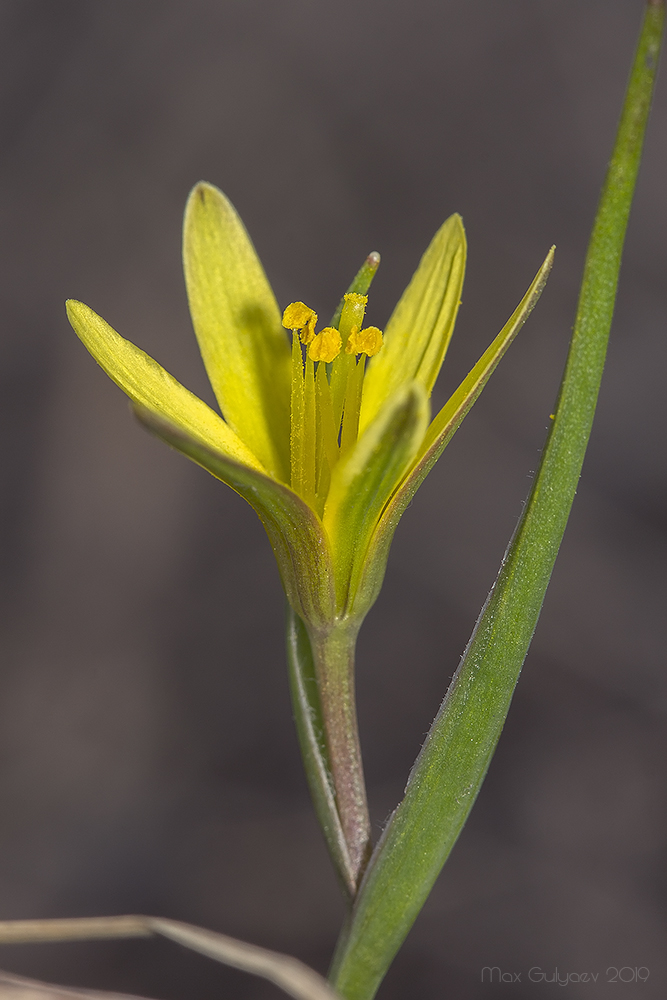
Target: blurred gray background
point(147, 755)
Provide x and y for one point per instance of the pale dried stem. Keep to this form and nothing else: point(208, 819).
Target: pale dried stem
point(291, 975)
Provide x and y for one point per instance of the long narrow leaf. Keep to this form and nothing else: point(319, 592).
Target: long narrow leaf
point(451, 767)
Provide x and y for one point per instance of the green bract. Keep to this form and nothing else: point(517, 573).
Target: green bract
point(331, 563)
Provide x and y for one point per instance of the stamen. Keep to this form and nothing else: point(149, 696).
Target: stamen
point(309, 434)
point(326, 416)
point(368, 341)
point(326, 404)
point(352, 316)
point(326, 345)
point(327, 437)
point(297, 414)
point(299, 316)
point(350, 429)
point(308, 332)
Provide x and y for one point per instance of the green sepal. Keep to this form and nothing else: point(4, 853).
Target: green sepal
point(362, 483)
point(298, 540)
point(440, 433)
point(238, 327)
point(421, 326)
point(149, 385)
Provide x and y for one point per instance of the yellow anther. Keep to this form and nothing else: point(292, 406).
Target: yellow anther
point(308, 332)
point(326, 345)
point(355, 298)
point(299, 316)
point(368, 341)
point(351, 345)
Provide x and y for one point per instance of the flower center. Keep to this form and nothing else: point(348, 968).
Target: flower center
point(326, 392)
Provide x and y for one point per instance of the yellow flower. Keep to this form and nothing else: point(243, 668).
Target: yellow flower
point(328, 451)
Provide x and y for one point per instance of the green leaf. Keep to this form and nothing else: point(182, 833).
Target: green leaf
point(362, 483)
point(440, 433)
point(238, 326)
point(150, 386)
point(421, 326)
point(299, 543)
point(449, 771)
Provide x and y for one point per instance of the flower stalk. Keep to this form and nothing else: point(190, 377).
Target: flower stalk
point(333, 656)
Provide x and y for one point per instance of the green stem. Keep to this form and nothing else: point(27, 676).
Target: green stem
point(333, 656)
point(322, 686)
point(449, 771)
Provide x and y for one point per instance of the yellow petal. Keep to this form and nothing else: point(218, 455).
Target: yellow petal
point(362, 483)
point(295, 531)
point(148, 384)
point(238, 326)
point(418, 333)
point(442, 430)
